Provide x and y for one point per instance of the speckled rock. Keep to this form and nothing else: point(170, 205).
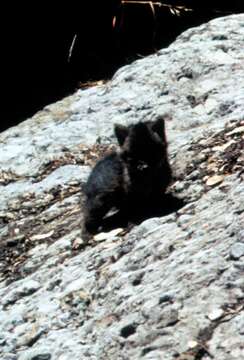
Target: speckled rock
point(170, 288)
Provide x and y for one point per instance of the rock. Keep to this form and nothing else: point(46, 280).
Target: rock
point(9, 357)
point(27, 288)
point(167, 288)
point(237, 251)
point(192, 344)
point(42, 236)
point(36, 355)
point(216, 179)
point(215, 314)
point(108, 236)
point(237, 130)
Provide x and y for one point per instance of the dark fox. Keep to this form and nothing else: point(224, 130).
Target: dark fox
point(130, 180)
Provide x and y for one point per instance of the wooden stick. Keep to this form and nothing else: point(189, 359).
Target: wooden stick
point(157, 3)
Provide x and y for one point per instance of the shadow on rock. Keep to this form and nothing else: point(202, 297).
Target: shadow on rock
point(126, 219)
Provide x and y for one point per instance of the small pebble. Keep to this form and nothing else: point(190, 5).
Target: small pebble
point(108, 235)
point(214, 180)
point(192, 344)
point(215, 314)
point(237, 250)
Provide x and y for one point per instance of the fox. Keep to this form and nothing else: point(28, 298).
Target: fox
point(131, 179)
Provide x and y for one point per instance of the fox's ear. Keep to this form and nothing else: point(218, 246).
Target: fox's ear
point(159, 128)
point(121, 133)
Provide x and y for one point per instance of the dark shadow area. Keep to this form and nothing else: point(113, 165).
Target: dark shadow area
point(36, 38)
point(124, 219)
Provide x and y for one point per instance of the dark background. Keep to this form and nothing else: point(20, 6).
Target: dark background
point(36, 38)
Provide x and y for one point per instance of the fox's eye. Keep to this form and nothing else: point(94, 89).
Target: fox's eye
point(142, 165)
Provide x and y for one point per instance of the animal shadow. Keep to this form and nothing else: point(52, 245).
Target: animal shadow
point(166, 205)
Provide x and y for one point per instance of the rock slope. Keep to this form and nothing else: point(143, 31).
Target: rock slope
point(172, 287)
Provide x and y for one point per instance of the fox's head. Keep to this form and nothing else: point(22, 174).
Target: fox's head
point(143, 145)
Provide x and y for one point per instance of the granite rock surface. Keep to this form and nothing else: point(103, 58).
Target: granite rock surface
point(169, 288)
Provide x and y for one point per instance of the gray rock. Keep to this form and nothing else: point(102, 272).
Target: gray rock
point(168, 283)
point(27, 288)
point(37, 354)
point(237, 250)
point(9, 357)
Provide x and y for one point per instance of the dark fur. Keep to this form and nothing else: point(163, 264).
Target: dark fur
point(130, 180)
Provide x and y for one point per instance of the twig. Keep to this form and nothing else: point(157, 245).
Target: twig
point(156, 3)
point(72, 47)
